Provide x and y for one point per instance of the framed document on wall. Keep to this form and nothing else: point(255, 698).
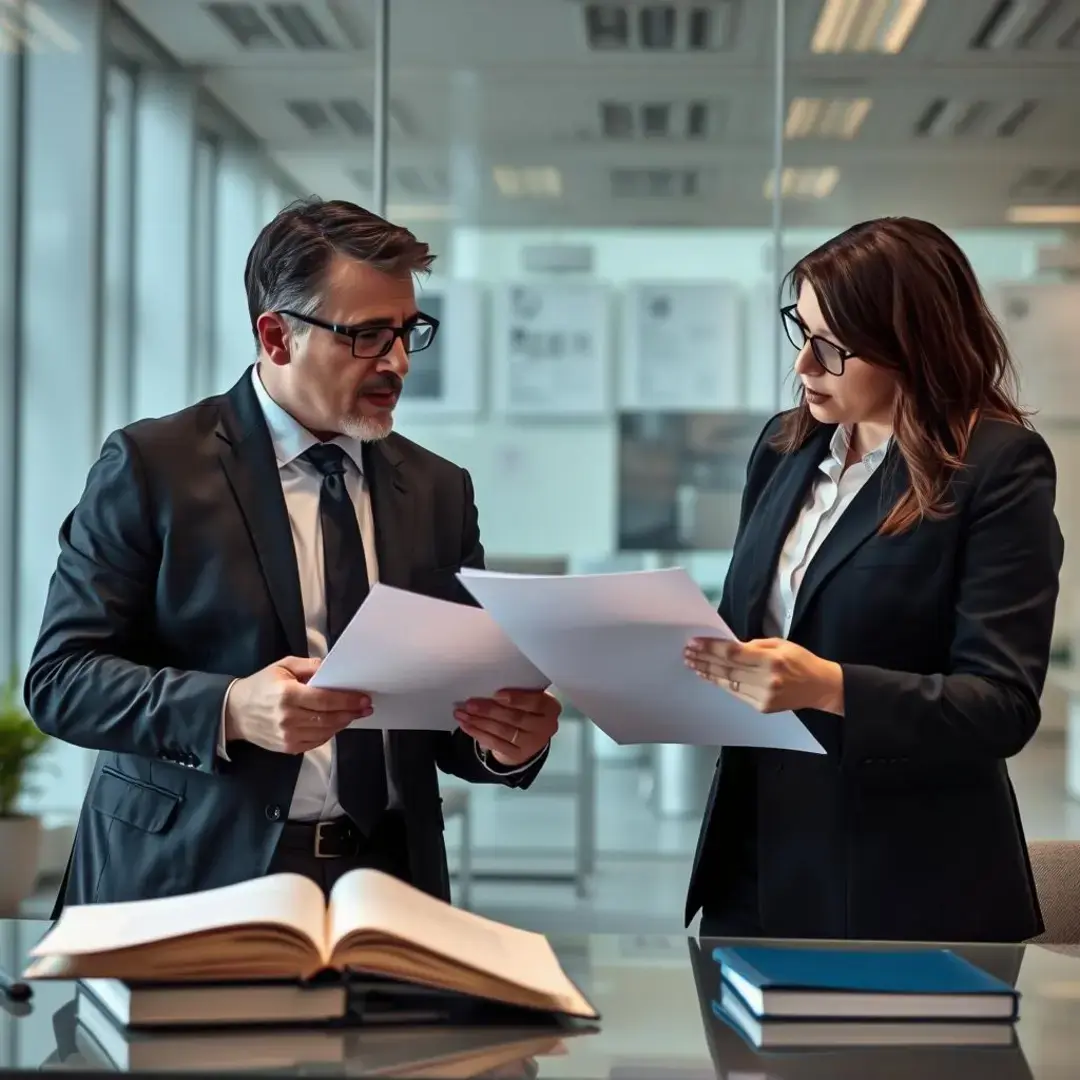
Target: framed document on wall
point(1041, 322)
point(681, 346)
point(551, 349)
point(444, 380)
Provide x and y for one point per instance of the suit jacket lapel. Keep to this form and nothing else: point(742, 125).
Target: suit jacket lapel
point(767, 528)
point(859, 521)
point(392, 510)
point(247, 456)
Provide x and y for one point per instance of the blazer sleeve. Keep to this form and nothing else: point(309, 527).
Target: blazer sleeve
point(458, 753)
point(986, 706)
point(81, 687)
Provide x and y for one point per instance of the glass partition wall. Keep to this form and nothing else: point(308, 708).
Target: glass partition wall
point(613, 192)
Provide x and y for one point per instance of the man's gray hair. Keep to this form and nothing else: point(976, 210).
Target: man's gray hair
point(286, 267)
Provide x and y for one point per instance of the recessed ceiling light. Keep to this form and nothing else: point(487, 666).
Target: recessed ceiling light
point(865, 25)
point(837, 118)
point(1044, 215)
point(535, 181)
point(817, 183)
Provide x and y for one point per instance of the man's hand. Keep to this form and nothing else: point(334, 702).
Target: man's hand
point(515, 725)
point(275, 709)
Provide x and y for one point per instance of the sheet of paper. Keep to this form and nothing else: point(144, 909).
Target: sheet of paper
point(613, 645)
point(416, 656)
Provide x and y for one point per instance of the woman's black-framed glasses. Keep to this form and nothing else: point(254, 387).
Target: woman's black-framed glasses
point(827, 353)
point(373, 342)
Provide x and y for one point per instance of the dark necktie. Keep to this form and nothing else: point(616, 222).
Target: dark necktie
point(361, 764)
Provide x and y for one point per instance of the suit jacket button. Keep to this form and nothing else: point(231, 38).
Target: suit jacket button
point(273, 812)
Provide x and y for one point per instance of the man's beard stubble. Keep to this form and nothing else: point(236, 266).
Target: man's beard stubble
point(366, 428)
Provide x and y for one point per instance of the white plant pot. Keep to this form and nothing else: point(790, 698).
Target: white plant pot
point(20, 856)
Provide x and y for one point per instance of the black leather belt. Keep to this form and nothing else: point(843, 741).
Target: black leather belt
point(336, 839)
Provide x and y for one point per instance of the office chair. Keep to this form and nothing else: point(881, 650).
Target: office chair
point(1056, 865)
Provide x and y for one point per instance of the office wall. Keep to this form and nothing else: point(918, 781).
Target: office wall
point(238, 218)
point(106, 214)
point(10, 115)
point(164, 232)
point(123, 235)
point(549, 487)
point(59, 397)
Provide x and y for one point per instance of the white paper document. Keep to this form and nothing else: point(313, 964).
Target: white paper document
point(417, 656)
point(613, 646)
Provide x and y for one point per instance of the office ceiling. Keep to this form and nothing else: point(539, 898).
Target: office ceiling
point(552, 113)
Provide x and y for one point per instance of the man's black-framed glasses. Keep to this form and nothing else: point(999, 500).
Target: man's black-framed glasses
point(827, 353)
point(370, 342)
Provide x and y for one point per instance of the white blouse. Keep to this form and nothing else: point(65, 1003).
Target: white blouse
point(829, 496)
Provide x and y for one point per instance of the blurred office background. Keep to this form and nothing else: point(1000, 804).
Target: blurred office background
point(613, 190)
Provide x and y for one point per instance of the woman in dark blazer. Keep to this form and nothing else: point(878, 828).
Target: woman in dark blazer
point(893, 581)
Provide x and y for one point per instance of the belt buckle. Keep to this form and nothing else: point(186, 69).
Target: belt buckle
point(319, 853)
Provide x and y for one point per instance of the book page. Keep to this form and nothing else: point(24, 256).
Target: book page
point(369, 900)
point(281, 899)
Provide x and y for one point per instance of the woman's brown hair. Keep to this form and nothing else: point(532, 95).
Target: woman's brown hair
point(900, 293)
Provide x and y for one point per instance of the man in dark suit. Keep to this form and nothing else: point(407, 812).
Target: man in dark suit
point(217, 554)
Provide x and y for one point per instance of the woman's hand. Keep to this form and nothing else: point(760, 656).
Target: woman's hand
point(771, 674)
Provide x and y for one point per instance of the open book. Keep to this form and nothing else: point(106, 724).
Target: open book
point(280, 927)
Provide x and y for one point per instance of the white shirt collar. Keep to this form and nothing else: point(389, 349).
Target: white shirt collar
point(289, 436)
point(838, 450)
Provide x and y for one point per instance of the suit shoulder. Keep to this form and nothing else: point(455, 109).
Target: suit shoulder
point(163, 433)
point(999, 444)
point(419, 457)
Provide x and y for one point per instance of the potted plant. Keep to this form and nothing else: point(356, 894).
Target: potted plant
point(20, 834)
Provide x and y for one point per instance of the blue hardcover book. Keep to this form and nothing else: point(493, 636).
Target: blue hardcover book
point(813, 983)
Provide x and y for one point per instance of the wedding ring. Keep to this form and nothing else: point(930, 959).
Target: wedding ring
point(734, 684)
point(513, 741)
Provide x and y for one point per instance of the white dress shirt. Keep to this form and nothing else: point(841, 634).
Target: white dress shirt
point(829, 496)
point(315, 795)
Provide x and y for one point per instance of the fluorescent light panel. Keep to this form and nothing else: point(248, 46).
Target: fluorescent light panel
point(865, 25)
point(817, 183)
point(838, 118)
point(1044, 215)
point(537, 181)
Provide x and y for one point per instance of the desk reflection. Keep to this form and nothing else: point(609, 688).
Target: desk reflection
point(89, 1041)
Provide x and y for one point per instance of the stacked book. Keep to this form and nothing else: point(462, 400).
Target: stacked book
point(99, 1043)
point(803, 998)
